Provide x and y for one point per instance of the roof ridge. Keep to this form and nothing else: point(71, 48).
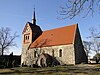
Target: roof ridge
point(61, 27)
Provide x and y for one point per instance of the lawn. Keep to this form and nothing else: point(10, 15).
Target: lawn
point(82, 69)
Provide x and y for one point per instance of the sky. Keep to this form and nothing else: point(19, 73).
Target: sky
point(15, 13)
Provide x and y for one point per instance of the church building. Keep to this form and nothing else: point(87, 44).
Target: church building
point(57, 46)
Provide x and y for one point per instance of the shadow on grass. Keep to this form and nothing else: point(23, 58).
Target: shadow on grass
point(41, 72)
point(51, 70)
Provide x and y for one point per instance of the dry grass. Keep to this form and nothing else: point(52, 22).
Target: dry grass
point(58, 70)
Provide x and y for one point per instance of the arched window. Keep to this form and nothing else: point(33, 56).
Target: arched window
point(34, 53)
point(28, 37)
point(53, 53)
point(60, 53)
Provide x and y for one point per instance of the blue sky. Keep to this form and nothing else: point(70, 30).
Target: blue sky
point(15, 14)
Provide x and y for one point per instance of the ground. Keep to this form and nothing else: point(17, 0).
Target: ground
point(82, 69)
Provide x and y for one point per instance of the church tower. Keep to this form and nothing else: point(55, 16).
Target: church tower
point(30, 33)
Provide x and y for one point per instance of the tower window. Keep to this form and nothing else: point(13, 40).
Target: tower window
point(60, 53)
point(26, 38)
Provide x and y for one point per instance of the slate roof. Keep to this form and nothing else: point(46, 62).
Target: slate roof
point(59, 36)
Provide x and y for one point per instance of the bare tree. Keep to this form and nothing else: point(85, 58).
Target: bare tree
point(95, 40)
point(38, 51)
point(6, 39)
point(87, 47)
point(96, 57)
point(73, 8)
point(40, 44)
point(32, 59)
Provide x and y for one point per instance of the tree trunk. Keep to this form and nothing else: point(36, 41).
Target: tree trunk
point(2, 52)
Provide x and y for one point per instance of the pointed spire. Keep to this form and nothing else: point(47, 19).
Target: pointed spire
point(34, 18)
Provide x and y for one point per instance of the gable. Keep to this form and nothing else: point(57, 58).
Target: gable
point(59, 36)
point(32, 27)
point(27, 28)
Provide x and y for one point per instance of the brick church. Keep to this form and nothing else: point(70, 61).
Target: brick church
point(52, 47)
